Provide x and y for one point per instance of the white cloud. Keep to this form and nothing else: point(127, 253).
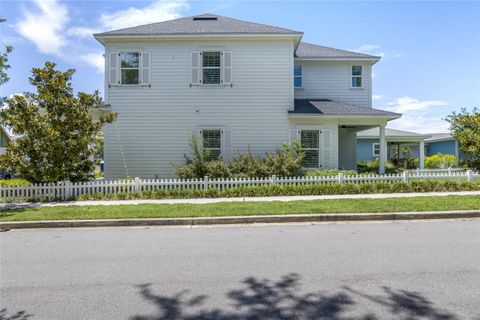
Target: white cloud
point(45, 26)
point(82, 32)
point(160, 10)
point(421, 123)
point(377, 97)
point(375, 50)
point(367, 48)
point(417, 116)
point(95, 59)
point(405, 104)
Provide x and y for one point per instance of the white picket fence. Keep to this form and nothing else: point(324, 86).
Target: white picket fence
point(68, 190)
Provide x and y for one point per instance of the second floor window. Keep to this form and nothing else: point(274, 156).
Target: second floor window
point(130, 67)
point(357, 73)
point(212, 142)
point(297, 76)
point(211, 67)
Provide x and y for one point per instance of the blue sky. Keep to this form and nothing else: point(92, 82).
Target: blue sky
point(431, 50)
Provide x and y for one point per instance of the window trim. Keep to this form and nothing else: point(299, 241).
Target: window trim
point(220, 67)
point(361, 76)
point(295, 76)
point(220, 155)
point(120, 68)
point(318, 149)
point(374, 145)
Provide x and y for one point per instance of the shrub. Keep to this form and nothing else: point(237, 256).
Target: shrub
point(296, 190)
point(471, 164)
point(284, 162)
point(328, 172)
point(373, 166)
point(440, 161)
point(14, 182)
point(412, 163)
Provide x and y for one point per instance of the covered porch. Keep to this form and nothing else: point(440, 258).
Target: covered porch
point(401, 146)
point(336, 125)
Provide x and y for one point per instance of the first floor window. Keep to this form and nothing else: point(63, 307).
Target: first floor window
point(130, 67)
point(211, 67)
point(376, 149)
point(357, 74)
point(310, 147)
point(297, 76)
point(212, 142)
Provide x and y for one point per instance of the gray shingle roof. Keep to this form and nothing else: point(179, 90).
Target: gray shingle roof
point(329, 107)
point(439, 136)
point(201, 24)
point(312, 51)
point(389, 133)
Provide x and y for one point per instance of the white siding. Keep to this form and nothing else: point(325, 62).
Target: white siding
point(347, 149)
point(332, 80)
point(154, 123)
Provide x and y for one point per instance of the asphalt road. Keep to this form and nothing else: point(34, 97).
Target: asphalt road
point(403, 270)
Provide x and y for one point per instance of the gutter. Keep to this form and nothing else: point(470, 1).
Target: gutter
point(102, 37)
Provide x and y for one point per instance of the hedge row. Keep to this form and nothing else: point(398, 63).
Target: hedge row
point(295, 190)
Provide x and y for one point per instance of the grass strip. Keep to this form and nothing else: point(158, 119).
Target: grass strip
point(414, 204)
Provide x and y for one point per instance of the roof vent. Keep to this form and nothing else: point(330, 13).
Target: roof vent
point(204, 18)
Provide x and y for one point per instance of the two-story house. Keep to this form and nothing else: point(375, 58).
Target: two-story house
point(234, 85)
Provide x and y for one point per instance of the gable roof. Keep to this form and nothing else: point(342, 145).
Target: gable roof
point(334, 108)
point(204, 24)
point(389, 133)
point(313, 51)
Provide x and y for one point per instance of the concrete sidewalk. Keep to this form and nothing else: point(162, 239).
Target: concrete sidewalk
point(245, 199)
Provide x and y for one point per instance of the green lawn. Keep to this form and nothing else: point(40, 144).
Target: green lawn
point(243, 208)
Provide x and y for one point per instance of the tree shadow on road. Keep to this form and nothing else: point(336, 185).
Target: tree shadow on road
point(20, 315)
point(266, 299)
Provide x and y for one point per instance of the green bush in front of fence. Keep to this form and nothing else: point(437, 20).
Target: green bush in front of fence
point(295, 190)
point(440, 161)
point(329, 172)
point(14, 182)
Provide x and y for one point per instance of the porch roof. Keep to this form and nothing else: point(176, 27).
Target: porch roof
point(327, 107)
point(389, 133)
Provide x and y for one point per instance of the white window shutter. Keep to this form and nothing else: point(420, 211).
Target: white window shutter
point(197, 135)
point(145, 68)
point(327, 160)
point(227, 64)
point(227, 144)
point(113, 68)
point(195, 68)
point(294, 135)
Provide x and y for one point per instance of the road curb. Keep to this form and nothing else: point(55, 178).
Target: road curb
point(242, 219)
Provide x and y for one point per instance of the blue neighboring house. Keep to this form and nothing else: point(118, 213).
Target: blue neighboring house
point(368, 144)
point(444, 143)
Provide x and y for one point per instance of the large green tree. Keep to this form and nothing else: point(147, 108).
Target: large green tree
point(4, 61)
point(465, 128)
point(54, 128)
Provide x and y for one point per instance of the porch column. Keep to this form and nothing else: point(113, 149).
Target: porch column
point(421, 155)
point(383, 150)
